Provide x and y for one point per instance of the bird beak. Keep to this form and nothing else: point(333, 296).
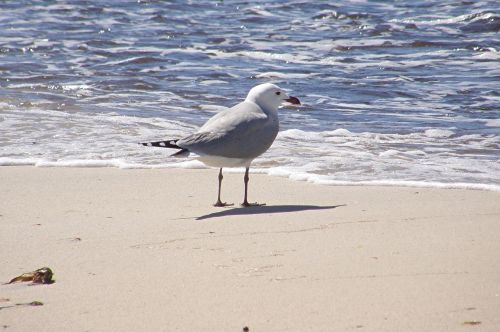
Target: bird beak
point(293, 100)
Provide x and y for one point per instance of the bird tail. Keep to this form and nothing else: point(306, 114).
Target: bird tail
point(163, 144)
point(181, 153)
point(171, 145)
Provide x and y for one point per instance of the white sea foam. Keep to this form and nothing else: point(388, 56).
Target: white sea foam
point(260, 11)
point(82, 163)
point(389, 153)
point(493, 122)
point(70, 87)
point(447, 20)
point(417, 184)
point(189, 164)
point(438, 133)
point(274, 74)
point(338, 132)
point(260, 55)
point(490, 55)
point(213, 82)
point(6, 161)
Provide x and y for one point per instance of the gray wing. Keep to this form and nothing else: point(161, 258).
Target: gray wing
point(243, 131)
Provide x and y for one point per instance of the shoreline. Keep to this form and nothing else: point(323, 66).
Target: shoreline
point(144, 249)
point(300, 177)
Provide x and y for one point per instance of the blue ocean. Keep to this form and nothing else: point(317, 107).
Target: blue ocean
point(393, 92)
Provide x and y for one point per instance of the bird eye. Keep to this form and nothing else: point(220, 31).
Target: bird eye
point(278, 93)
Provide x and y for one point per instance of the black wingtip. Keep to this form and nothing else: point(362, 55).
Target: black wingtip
point(163, 144)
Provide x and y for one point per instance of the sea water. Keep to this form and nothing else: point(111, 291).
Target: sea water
point(393, 93)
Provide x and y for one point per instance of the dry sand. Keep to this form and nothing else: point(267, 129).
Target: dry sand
point(144, 250)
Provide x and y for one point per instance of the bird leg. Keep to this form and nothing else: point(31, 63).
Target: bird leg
point(219, 202)
point(245, 201)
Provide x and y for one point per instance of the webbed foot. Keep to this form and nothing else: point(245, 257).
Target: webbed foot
point(246, 204)
point(222, 204)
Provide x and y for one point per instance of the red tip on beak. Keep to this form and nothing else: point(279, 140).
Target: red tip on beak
point(293, 100)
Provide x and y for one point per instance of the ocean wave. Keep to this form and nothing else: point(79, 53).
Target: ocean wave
point(391, 91)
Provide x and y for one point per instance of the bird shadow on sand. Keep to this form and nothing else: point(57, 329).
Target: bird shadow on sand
point(265, 209)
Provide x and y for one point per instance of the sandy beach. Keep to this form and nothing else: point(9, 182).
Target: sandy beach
point(145, 250)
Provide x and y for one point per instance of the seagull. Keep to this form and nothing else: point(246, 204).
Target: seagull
point(236, 136)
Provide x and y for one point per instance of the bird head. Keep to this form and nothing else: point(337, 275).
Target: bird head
point(270, 96)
